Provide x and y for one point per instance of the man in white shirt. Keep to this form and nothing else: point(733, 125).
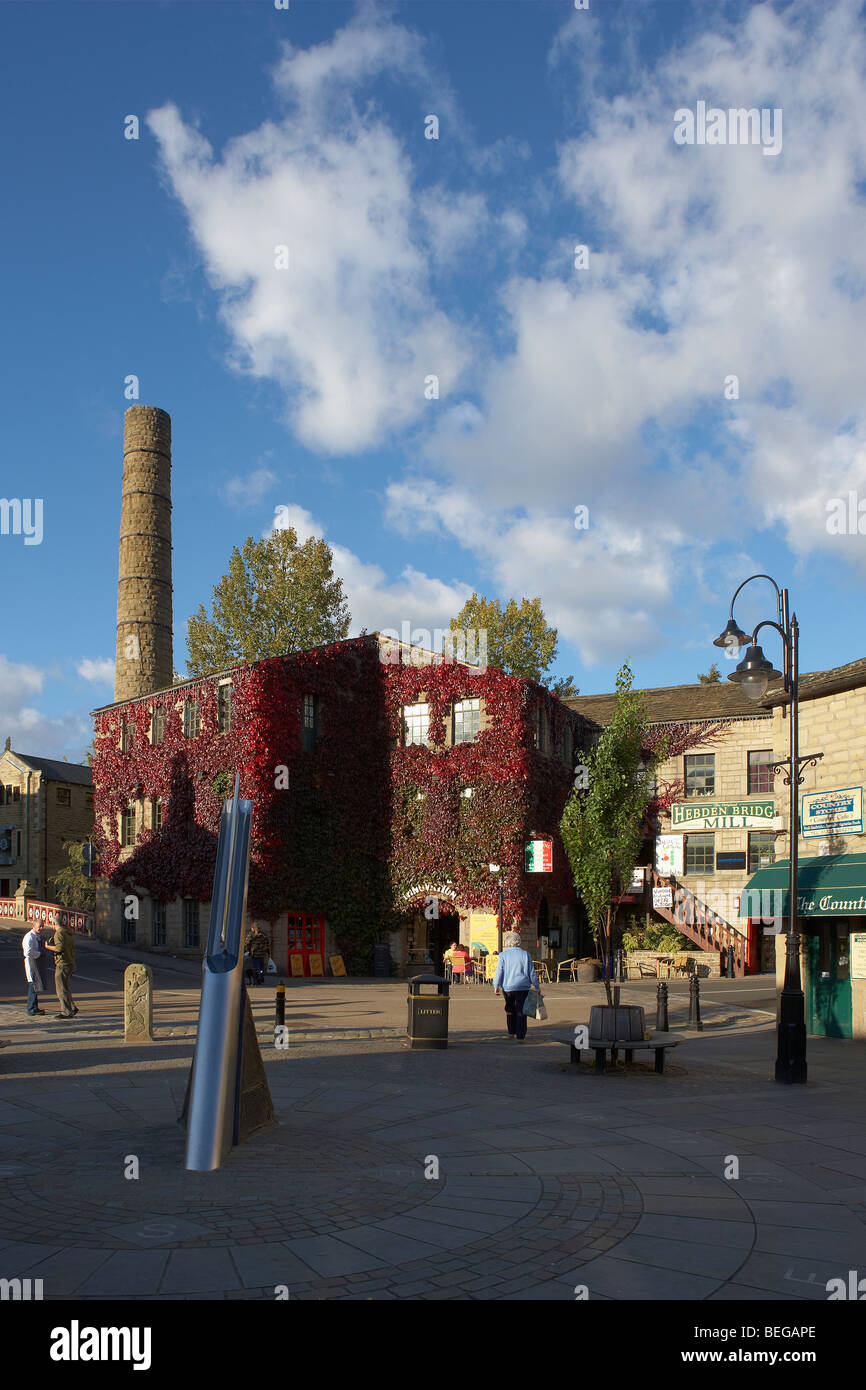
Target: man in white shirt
point(32, 948)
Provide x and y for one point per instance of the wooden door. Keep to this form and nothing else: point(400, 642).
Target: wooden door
point(305, 937)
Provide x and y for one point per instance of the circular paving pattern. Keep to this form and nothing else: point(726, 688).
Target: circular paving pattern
point(300, 1181)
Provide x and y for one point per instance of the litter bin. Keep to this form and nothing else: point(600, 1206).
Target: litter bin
point(428, 1013)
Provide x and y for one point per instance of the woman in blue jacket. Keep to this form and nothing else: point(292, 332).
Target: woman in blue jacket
point(515, 975)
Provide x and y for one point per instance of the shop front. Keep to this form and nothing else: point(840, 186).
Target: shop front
point(831, 920)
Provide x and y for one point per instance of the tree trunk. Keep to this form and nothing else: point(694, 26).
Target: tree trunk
point(606, 955)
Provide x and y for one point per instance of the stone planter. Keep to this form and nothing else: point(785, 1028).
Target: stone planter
point(587, 971)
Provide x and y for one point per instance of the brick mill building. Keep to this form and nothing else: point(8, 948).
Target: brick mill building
point(384, 780)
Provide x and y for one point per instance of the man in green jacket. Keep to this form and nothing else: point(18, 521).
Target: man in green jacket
point(259, 947)
point(64, 965)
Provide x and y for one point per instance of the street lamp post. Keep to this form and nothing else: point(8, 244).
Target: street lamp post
point(753, 675)
point(495, 869)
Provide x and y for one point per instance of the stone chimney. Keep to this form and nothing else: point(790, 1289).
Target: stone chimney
point(144, 660)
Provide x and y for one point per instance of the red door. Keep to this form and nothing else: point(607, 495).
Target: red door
point(305, 937)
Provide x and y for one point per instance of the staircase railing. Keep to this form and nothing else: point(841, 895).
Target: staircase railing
point(700, 923)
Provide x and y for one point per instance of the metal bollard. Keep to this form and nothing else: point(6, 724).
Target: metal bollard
point(280, 1013)
point(662, 1024)
point(730, 962)
point(695, 1004)
point(617, 973)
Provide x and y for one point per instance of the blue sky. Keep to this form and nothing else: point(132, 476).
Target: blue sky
point(559, 386)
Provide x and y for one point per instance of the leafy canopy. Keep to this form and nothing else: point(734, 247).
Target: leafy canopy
point(276, 597)
point(519, 641)
point(71, 888)
point(602, 827)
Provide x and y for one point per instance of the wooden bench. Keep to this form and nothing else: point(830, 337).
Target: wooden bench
point(657, 1043)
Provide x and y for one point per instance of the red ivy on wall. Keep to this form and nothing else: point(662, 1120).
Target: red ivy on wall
point(364, 820)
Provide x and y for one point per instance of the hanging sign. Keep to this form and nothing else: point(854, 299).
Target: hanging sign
point(539, 856)
point(663, 897)
point(669, 855)
point(839, 812)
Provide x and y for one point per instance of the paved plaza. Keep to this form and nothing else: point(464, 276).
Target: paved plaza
point(550, 1178)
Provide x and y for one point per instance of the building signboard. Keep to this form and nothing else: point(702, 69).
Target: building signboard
point(722, 815)
point(539, 856)
point(663, 897)
point(669, 855)
point(836, 812)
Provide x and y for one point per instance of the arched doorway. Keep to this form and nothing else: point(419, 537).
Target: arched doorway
point(441, 933)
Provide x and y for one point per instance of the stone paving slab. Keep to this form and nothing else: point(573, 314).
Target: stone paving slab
point(328, 1255)
point(630, 1279)
point(199, 1272)
point(703, 1230)
point(693, 1257)
point(136, 1273)
point(791, 1275)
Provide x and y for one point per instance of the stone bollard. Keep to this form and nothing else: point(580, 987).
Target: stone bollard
point(662, 1024)
point(695, 1004)
point(138, 1003)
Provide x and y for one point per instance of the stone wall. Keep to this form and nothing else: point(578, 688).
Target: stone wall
point(834, 725)
point(708, 962)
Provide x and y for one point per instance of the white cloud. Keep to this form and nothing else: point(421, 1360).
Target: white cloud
point(101, 669)
point(298, 518)
point(350, 329)
point(374, 600)
point(248, 490)
point(30, 730)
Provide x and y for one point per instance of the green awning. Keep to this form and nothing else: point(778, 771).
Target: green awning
point(830, 886)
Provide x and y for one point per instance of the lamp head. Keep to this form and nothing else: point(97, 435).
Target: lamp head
point(733, 636)
point(754, 673)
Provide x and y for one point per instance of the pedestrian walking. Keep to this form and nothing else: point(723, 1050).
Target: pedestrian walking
point(515, 976)
point(64, 965)
point(32, 948)
point(258, 944)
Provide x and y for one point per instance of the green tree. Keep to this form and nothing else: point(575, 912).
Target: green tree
point(519, 641)
point(602, 826)
point(71, 888)
point(710, 677)
point(276, 597)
